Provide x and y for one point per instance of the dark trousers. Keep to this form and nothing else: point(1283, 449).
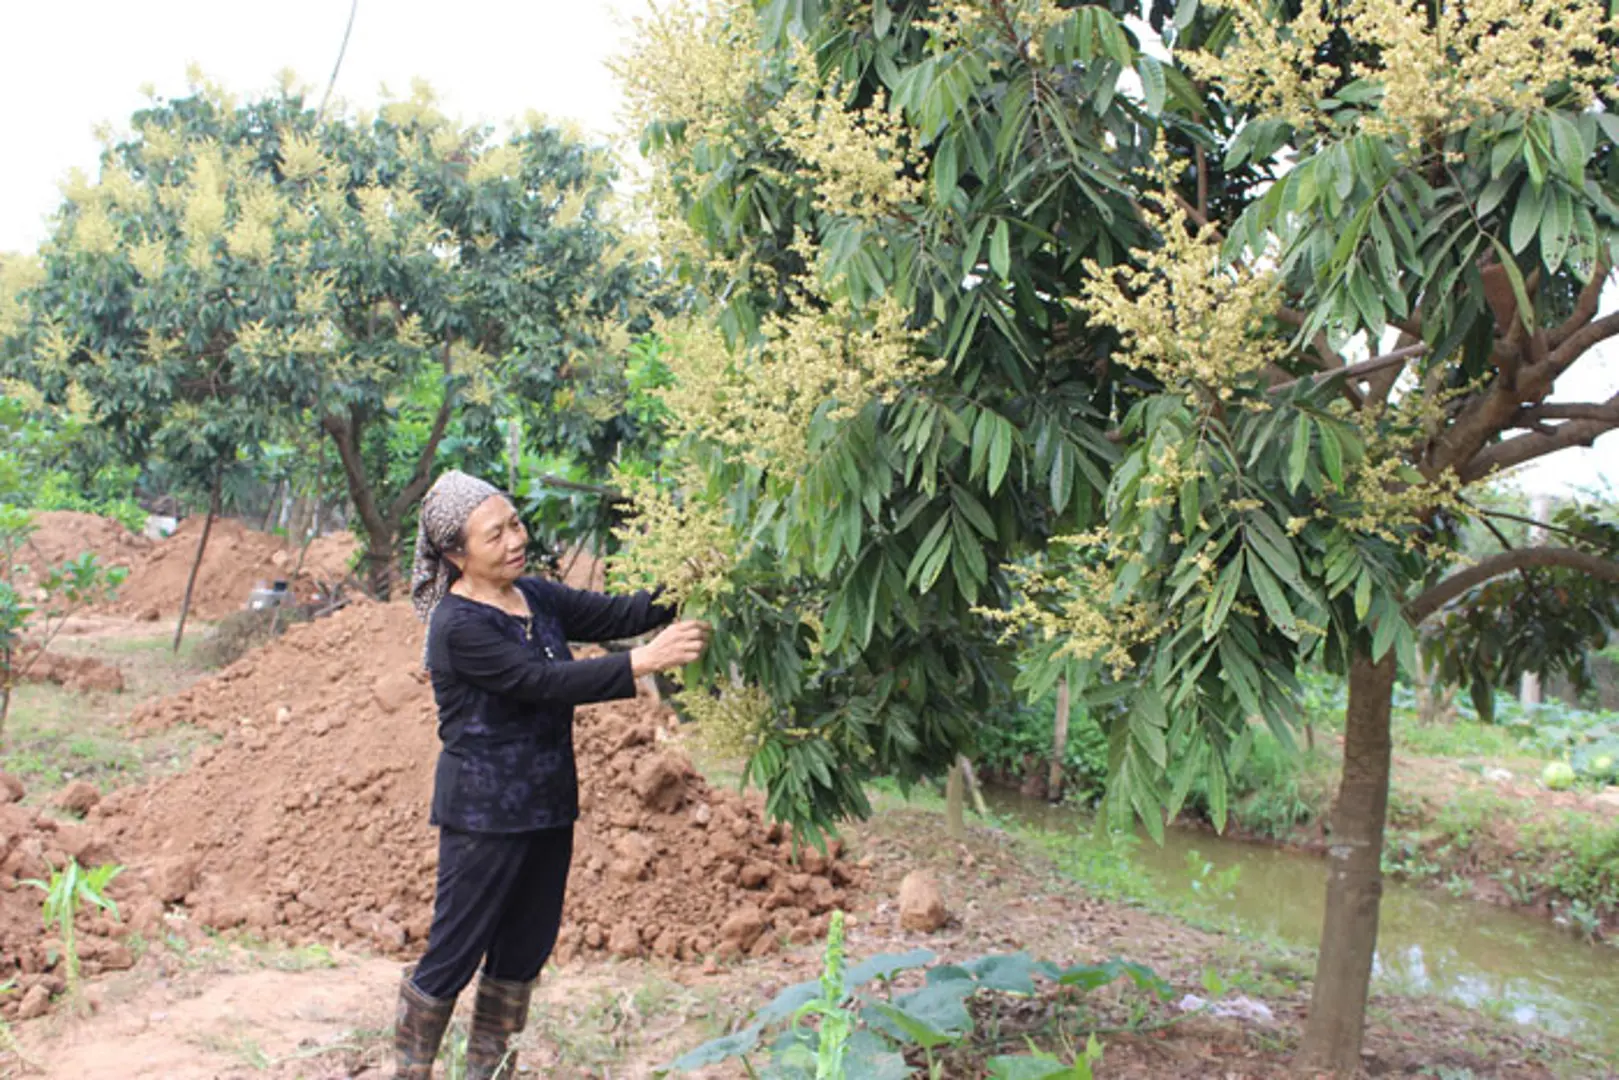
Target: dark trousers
point(499, 904)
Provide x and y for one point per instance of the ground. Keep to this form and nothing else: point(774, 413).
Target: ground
point(202, 1006)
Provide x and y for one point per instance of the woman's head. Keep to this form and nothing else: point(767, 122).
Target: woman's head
point(467, 526)
point(493, 546)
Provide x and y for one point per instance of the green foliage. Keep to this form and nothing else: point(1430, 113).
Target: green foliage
point(1546, 621)
point(247, 275)
point(1026, 732)
point(866, 1033)
point(65, 892)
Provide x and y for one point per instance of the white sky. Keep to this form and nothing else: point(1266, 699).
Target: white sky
point(71, 65)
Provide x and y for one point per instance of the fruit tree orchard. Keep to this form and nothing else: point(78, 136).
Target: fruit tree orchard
point(1186, 385)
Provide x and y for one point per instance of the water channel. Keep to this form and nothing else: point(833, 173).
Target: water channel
point(1477, 954)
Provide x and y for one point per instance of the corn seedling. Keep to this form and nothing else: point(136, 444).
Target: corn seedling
point(67, 888)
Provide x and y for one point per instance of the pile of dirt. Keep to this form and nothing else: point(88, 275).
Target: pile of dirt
point(309, 820)
point(80, 674)
point(32, 845)
point(60, 535)
point(237, 559)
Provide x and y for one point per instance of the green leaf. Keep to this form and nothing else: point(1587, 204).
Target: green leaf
point(1525, 220)
point(1525, 312)
point(932, 1016)
point(1332, 454)
point(885, 966)
point(1556, 229)
point(882, 17)
point(1273, 599)
point(1298, 456)
point(717, 1050)
point(1000, 453)
point(789, 1001)
point(1152, 82)
point(1000, 249)
point(926, 549)
point(1225, 593)
point(946, 170)
point(1009, 972)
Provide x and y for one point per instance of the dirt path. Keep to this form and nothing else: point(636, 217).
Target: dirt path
point(216, 1025)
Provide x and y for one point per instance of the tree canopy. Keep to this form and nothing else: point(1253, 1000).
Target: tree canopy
point(241, 270)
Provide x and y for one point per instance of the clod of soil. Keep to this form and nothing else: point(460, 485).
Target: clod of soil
point(81, 674)
point(310, 819)
point(59, 535)
point(921, 907)
point(237, 558)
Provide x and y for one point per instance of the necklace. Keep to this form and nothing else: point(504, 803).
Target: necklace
point(527, 623)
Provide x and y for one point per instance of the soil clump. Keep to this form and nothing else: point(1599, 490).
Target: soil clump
point(237, 559)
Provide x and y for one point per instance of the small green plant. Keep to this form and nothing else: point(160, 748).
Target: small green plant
point(1210, 883)
point(862, 1033)
point(66, 890)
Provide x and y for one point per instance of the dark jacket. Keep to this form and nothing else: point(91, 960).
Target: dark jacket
point(505, 704)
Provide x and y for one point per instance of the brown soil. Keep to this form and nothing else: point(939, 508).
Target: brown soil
point(310, 820)
point(32, 845)
point(60, 535)
point(237, 559)
point(81, 674)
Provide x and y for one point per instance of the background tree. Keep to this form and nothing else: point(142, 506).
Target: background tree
point(240, 270)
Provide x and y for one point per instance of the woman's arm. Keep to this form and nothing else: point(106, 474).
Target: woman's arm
point(485, 657)
point(597, 617)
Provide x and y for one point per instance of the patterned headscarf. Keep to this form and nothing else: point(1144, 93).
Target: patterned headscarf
point(449, 503)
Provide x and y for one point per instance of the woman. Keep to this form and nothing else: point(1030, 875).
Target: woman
point(505, 793)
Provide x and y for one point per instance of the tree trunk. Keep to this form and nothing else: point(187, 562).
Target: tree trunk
point(1332, 1038)
point(1059, 742)
point(954, 804)
point(196, 563)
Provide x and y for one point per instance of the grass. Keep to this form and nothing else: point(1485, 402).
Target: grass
point(56, 736)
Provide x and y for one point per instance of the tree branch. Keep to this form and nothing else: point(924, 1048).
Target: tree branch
point(1544, 440)
point(1585, 308)
point(1459, 583)
point(348, 452)
point(1361, 369)
point(423, 475)
point(1580, 341)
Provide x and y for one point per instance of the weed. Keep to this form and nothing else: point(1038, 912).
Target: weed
point(67, 888)
point(1209, 883)
point(243, 631)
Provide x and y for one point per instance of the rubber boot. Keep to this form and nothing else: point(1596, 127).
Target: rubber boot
point(499, 1012)
point(418, 1029)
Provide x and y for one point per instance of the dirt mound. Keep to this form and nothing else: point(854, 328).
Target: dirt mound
point(81, 674)
point(60, 535)
point(31, 845)
point(310, 819)
point(237, 559)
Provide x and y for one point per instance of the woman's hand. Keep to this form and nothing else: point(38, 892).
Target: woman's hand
point(676, 646)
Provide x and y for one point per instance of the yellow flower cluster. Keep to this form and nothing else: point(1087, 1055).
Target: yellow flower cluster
point(865, 161)
point(956, 24)
point(1440, 66)
point(728, 722)
point(759, 401)
point(301, 156)
point(693, 63)
point(677, 538)
point(1186, 315)
point(259, 211)
point(1074, 607)
point(498, 163)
